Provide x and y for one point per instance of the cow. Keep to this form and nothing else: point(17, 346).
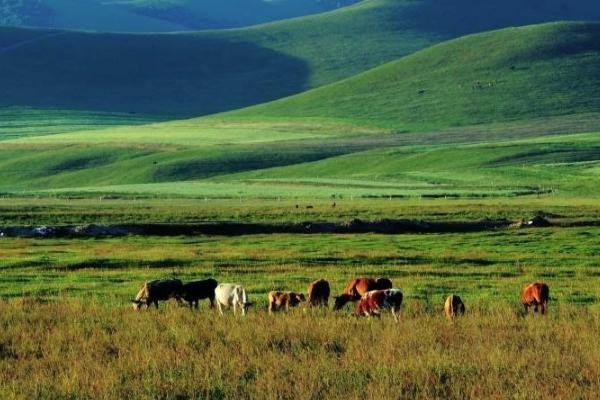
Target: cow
point(192, 292)
point(287, 300)
point(356, 288)
point(375, 301)
point(153, 291)
point(318, 293)
point(454, 306)
point(537, 295)
point(231, 295)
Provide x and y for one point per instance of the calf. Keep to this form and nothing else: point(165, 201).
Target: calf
point(287, 300)
point(229, 295)
point(156, 290)
point(374, 301)
point(356, 288)
point(537, 295)
point(318, 293)
point(454, 306)
point(192, 292)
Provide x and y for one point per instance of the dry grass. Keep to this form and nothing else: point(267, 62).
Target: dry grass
point(76, 350)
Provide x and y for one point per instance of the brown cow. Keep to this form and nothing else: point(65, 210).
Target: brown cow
point(374, 301)
point(318, 293)
point(454, 306)
point(287, 300)
point(537, 295)
point(356, 288)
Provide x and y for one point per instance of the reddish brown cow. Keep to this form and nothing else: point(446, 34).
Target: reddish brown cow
point(374, 301)
point(356, 288)
point(537, 295)
point(318, 293)
point(287, 300)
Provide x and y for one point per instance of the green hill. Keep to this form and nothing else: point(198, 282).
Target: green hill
point(348, 138)
point(78, 14)
point(202, 73)
point(155, 15)
point(516, 73)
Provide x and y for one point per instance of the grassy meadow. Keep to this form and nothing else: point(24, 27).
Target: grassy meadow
point(69, 330)
point(83, 350)
point(498, 125)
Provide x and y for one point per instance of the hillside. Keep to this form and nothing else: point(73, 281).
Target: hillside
point(78, 14)
point(213, 71)
point(154, 15)
point(516, 73)
point(350, 138)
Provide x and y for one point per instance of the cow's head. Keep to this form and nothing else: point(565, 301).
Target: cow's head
point(341, 301)
point(296, 299)
point(137, 304)
point(246, 306)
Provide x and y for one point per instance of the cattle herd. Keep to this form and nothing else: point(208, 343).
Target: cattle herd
point(372, 296)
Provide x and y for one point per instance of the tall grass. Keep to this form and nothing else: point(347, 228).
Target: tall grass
point(73, 349)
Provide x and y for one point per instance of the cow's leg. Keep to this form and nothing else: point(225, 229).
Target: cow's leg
point(271, 307)
point(535, 308)
point(396, 314)
point(544, 308)
point(220, 307)
point(212, 301)
point(196, 304)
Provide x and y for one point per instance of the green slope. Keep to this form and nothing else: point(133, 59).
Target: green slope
point(344, 139)
point(78, 14)
point(155, 15)
point(207, 72)
point(516, 73)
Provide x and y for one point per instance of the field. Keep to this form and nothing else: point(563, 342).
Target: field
point(107, 175)
point(65, 297)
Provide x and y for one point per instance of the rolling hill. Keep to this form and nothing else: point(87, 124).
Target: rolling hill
point(350, 137)
point(206, 72)
point(154, 15)
point(516, 73)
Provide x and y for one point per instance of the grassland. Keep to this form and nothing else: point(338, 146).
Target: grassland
point(69, 330)
point(547, 70)
point(82, 350)
point(212, 71)
point(524, 145)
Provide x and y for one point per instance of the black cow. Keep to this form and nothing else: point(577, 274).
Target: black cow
point(194, 291)
point(153, 291)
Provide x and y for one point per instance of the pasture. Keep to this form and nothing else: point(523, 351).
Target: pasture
point(69, 330)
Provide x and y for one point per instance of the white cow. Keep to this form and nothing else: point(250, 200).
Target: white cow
point(230, 295)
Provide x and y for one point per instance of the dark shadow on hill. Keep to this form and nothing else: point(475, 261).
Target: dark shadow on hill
point(176, 74)
point(242, 160)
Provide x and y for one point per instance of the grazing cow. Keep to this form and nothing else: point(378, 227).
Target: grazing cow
point(537, 295)
point(287, 300)
point(454, 306)
point(234, 296)
point(192, 292)
point(318, 293)
point(356, 288)
point(153, 291)
point(374, 301)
